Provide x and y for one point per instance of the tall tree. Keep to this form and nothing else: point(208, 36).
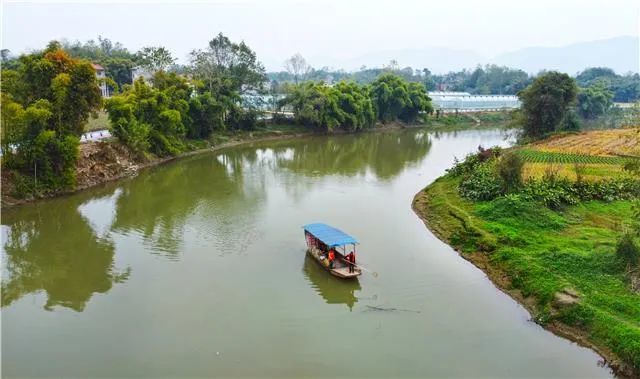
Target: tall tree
point(298, 67)
point(546, 103)
point(227, 68)
point(155, 59)
point(48, 101)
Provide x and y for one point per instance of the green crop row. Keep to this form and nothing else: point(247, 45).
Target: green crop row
point(536, 156)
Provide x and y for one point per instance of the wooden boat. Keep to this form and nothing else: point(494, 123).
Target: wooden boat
point(322, 238)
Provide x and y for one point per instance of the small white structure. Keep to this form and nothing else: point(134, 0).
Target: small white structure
point(101, 75)
point(140, 72)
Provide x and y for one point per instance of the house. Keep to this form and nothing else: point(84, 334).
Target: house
point(101, 75)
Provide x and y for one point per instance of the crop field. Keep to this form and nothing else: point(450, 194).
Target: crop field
point(538, 156)
point(612, 142)
point(588, 172)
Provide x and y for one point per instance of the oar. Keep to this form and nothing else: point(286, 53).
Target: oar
point(375, 274)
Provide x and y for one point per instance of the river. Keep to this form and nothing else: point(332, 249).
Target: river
point(198, 268)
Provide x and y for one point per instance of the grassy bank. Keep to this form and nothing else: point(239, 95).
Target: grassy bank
point(560, 263)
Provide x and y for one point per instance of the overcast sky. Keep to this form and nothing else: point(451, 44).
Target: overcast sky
point(321, 30)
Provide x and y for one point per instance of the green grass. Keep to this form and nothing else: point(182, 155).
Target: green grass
point(543, 252)
point(537, 156)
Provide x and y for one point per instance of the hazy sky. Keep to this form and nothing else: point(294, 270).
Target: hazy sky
point(322, 30)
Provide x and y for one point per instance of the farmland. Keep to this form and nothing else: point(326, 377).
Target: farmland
point(589, 155)
point(614, 142)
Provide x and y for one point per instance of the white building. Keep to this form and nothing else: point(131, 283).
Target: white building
point(101, 75)
point(464, 101)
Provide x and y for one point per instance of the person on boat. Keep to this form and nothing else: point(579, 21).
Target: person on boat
point(351, 258)
point(332, 257)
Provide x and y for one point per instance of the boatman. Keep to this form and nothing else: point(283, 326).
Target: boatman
point(351, 258)
point(332, 256)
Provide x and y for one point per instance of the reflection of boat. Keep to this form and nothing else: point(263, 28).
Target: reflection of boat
point(323, 242)
point(332, 290)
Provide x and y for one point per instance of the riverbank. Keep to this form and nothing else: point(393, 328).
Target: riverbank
point(106, 161)
point(559, 264)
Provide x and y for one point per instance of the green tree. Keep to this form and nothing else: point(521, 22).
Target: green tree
point(396, 99)
point(227, 68)
point(546, 102)
point(49, 98)
point(594, 101)
point(155, 59)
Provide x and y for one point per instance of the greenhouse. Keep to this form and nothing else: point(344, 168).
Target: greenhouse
point(464, 101)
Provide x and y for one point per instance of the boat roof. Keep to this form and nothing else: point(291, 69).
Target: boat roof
point(329, 235)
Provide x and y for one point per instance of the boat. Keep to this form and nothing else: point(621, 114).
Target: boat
point(321, 239)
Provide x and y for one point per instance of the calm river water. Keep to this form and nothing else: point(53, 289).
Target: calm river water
point(198, 268)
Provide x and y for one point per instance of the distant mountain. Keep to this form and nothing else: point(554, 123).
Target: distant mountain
point(622, 54)
point(436, 59)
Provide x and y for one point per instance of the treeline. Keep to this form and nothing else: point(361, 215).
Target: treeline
point(554, 102)
point(351, 106)
point(158, 117)
point(49, 95)
point(482, 80)
point(490, 79)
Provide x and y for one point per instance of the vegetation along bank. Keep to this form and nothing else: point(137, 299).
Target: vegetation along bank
point(555, 224)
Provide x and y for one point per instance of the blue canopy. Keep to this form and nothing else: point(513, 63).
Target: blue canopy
point(329, 235)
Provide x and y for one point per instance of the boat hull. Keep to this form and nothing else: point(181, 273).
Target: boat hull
point(341, 270)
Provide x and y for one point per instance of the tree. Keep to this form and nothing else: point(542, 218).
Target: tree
point(546, 102)
point(298, 67)
point(594, 101)
point(46, 102)
point(155, 59)
point(227, 68)
point(395, 98)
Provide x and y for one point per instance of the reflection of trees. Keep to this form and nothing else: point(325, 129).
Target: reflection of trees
point(383, 154)
point(51, 247)
point(159, 203)
point(332, 289)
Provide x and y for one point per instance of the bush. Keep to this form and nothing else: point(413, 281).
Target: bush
point(628, 251)
point(241, 119)
point(481, 184)
point(510, 170)
point(470, 162)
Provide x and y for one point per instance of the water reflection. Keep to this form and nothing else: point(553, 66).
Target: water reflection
point(330, 288)
point(211, 200)
point(53, 248)
point(384, 155)
point(205, 193)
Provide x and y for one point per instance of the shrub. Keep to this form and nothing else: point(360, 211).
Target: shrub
point(510, 170)
point(628, 251)
point(481, 184)
point(470, 162)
